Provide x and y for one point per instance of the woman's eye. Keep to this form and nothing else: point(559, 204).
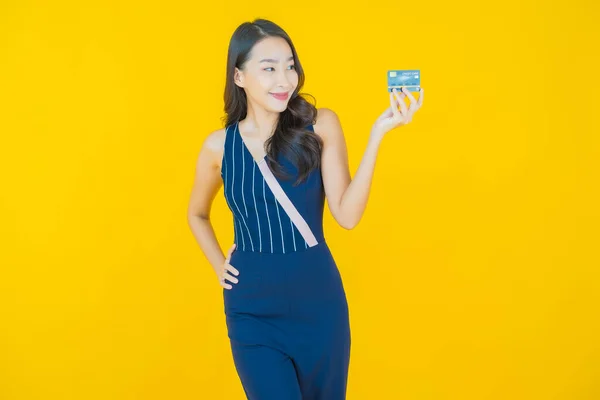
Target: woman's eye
point(266, 69)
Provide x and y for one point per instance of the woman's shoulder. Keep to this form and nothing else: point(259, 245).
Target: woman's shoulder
point(325, 121)
point(215, 144)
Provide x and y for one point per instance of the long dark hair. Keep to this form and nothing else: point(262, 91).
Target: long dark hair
point(291, 138)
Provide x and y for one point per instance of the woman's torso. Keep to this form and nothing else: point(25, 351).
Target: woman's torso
point(260, 223)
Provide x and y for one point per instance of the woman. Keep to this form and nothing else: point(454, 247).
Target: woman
point(278, 157)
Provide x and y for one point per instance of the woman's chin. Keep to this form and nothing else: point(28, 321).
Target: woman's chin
point(282, 107)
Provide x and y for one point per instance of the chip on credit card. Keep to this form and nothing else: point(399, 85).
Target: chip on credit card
point(408, 78)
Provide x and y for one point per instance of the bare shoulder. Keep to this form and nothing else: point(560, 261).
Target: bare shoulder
point(215, 144)
point(327, 124)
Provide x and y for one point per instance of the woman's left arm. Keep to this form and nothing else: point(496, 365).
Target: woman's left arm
point(347, 198)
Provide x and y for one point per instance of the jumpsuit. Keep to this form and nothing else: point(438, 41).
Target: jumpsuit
point(287, 317)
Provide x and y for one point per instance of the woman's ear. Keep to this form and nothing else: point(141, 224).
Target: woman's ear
point(238, 77)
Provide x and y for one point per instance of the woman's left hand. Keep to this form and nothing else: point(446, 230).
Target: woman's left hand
point(392, 117)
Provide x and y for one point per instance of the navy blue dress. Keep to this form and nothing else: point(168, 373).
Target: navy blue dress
point(287, 317)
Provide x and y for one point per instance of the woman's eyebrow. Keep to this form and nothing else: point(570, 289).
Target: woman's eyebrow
point(273, 60)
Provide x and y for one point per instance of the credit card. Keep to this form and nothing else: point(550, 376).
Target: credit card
point(409, 78)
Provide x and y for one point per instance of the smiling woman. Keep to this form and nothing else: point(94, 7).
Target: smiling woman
point(286, 309)
point(264, 75)
point(287, 314)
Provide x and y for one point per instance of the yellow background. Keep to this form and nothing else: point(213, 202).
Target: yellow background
point(472, 275)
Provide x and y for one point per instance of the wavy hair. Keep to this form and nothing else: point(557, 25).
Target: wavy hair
point(291, 138)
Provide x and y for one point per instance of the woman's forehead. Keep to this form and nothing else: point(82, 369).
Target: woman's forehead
point(272, 50)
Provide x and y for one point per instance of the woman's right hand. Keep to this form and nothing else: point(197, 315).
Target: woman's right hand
point(224, 272)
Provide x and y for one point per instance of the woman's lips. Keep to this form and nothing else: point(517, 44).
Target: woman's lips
point(280, 96)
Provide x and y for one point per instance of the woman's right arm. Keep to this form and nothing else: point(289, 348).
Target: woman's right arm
point(207, 182)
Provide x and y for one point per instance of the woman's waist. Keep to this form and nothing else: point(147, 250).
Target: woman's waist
point(279, 251)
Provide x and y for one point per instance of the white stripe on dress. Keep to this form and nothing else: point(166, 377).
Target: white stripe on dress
point(293, 234)
point(244, 173)
point(268, 219)
point(280, 228)
point(233, 195)
point(226, 193)
point(243, 241)
point(256, 208)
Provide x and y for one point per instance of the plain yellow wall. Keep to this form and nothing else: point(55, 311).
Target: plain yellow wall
point(472, 275)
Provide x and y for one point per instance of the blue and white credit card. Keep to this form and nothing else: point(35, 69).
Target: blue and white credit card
point(409, 78)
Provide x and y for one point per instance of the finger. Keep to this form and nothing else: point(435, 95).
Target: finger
point(413, 101)
point(400, 97)
point(230, 278)
point(402, 105)
point(223, 284)
point(386, 113)
point(229, 253)
point(399, 94)
point(226, 285)
point(420, 101)
point(393, 102)
point(231, 268)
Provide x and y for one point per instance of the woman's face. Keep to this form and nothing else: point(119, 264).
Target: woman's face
point(269, 70)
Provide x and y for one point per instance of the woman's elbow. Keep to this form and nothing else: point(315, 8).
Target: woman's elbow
point(348, 225)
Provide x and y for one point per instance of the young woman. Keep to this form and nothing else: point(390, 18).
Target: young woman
point(278, 158)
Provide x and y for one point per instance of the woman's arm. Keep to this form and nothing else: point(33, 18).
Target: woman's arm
point(207, 182)
point(346, 197)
